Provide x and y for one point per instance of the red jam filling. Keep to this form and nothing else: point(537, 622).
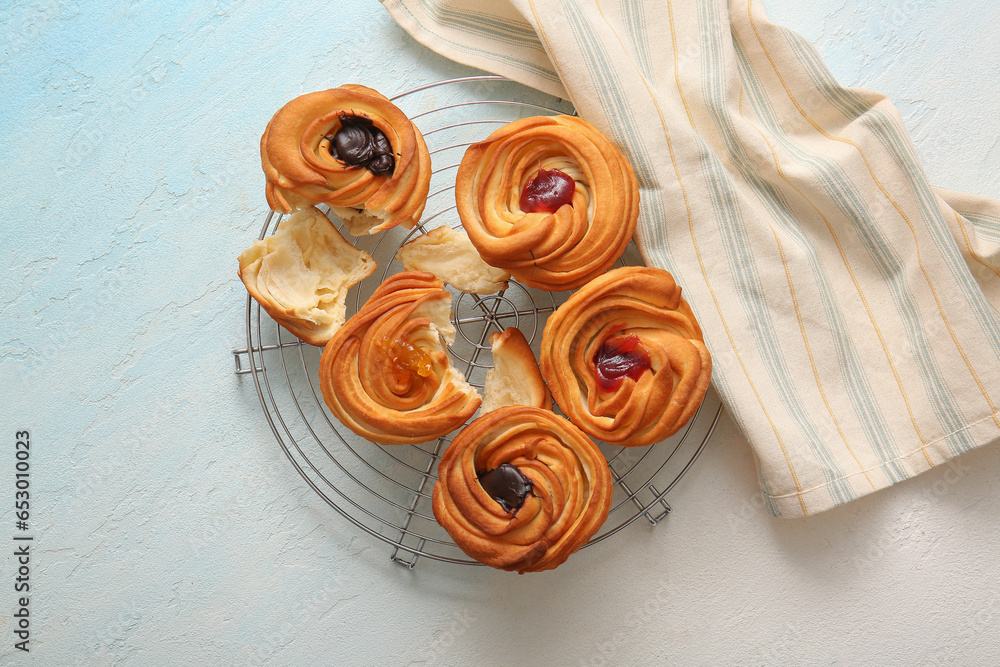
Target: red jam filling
point(620, 357)
point(547, 191)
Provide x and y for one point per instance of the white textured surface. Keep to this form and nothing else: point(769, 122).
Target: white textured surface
point(170, 529)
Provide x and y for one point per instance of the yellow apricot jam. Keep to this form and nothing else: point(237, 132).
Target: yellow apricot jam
point(402, 356)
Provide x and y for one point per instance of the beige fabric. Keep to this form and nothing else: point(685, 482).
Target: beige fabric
point(850, 308)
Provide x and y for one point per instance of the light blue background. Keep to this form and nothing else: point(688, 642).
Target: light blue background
point(170, 529)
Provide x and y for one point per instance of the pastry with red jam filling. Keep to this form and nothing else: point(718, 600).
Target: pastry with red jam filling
point(549, 199)
point(625, 359)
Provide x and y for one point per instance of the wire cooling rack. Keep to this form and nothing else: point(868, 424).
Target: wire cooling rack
point(386, 490)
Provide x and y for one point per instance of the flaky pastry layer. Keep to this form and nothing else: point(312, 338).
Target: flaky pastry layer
point(300, 274)
point(515, 378)
point(450, 256)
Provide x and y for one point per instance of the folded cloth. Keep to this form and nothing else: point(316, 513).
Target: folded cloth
point(850, 307)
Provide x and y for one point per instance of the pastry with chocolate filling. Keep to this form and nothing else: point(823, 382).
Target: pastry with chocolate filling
point(387, 375)
point(549, 199)
point(350, 148)
point(522, 489)
point(300, 274)
point(625, 359)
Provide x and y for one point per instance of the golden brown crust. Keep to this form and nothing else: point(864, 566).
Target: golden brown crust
point(386, 374)
point(632, 300)
point(300, 275)
point(569, 502)
point(550, 251)
point(515, 378)
point(299, 168)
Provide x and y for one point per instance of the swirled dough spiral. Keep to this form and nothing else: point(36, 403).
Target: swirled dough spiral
point(300, 169)
point(551, 251)
point(568, 502)
point(632, 301)
point(386, 374)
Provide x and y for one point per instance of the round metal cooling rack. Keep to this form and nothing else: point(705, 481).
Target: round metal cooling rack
point(386, 490)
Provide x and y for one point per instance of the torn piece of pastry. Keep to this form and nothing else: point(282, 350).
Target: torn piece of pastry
point(515, 378)
point(522, 489)
point(350, 148)
point(548, 198)
point(625, 359)
point(300, 274)
point(387, 375)
point(449, 254)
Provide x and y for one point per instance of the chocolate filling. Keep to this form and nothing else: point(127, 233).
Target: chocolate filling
point(358, 143)
point(507, 486)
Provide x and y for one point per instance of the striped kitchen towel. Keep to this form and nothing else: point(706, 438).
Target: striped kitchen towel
point(850, 308)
